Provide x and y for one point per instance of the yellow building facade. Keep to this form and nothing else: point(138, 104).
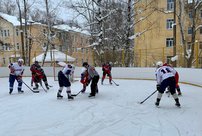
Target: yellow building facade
point(155, 40)
point(70, 42)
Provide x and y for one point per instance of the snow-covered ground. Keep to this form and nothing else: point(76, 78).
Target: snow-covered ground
point(115, 111)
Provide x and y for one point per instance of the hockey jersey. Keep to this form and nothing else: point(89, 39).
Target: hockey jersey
point(16, 69)
point(163, 73)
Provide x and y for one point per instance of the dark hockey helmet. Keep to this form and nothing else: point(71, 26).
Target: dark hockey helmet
point(36, 62)
point(69, 66)
point(85, 64)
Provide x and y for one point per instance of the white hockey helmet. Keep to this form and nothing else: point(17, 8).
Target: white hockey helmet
point(73, 66)
point(20, 60)
point(159, 64)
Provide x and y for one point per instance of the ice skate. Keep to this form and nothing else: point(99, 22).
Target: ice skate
point(59, 96)
point(70, 97)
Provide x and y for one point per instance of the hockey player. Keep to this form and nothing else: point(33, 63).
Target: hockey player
point(84, 79)
point(93, 78)
point(16, 72)
point(165, 77)
point(176, 80)
point(64, 81)
point(106, 68)
point(38, 74)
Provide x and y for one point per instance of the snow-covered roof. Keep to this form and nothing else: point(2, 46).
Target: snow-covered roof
point(12, 19)
point(57, 56)
point(68, 28)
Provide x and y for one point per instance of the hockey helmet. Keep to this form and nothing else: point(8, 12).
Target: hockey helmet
point(20, 60)
point(69, 65)
point(36, 62)
point(159, 64)
point(85, 64)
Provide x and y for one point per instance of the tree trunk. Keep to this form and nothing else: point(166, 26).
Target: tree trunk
point(21, 30)
point(127, 49)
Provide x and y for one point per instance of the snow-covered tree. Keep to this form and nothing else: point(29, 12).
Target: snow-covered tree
point(8, 6)
point(108, 23)
point(189, 11)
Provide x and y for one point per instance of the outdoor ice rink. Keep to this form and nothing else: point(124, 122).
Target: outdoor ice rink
point(115, 111)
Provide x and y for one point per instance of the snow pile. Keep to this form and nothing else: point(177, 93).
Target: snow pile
point(68, 28)
point(174, 58)
point(56, 56)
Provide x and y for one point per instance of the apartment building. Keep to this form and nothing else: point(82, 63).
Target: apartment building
point(76, 43)
point(155, 34)
point(72, 41)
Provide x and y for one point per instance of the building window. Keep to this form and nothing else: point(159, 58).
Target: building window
point(189, 30)
point(190, 14)
point(201, 30)
point(5, 33)
point(200, 45)
point(17, 46)
point(81, 42)
point(170, 5)
point(44, 31)
point(189, 45)
point(169, 42)
point(200, 60)
point(6, 47)
point(2, 33)
point(17, 32)
point(8, 32)
point(169, 24)
point(201, 13)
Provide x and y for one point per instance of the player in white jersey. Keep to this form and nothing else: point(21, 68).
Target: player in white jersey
point(165, 77)
point(16, 72)
point(64, 81)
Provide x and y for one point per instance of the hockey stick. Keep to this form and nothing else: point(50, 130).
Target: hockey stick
point(115, 83)
point(76, 94)
point(43, 87)
point(148, 97)
point(30, 88)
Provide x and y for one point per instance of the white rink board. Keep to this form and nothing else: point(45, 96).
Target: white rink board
point(188, 75)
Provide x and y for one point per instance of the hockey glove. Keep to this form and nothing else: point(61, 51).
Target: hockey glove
point(19, 78)
point(158, 87)
point(86, 84)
